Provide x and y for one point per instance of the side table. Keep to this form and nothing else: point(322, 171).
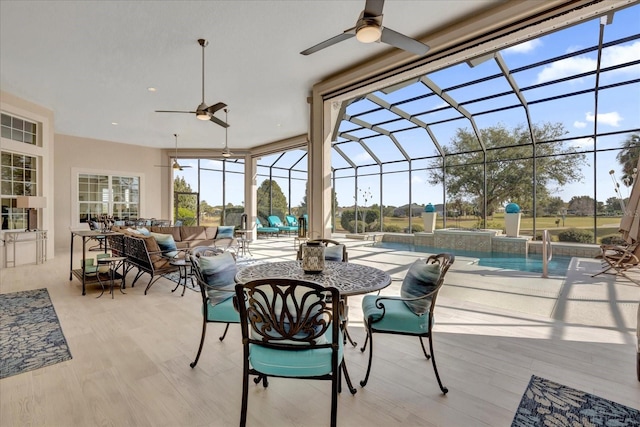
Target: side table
point(243, 242)
point(184, 275)
point(114, 263)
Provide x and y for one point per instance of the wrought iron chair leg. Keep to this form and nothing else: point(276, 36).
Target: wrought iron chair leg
point(263, 378)
point(224, 334)
point(366, 340)
point(204, 332)
point(151, 282)
point(424, 350)
point(347, 337)
point(444, 389)
point(245, 395)
point(352, 389)
point(369, 337)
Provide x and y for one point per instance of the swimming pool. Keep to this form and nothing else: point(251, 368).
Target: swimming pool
point(531, 263)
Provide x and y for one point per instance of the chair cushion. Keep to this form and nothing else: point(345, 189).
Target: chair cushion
point(225, 232)
point(166, 244)
point(334, 253)
point(219, 272)
point(223, 311)
point(294, 363)
point(397, 316)
point(274, 221)
point(421, 279)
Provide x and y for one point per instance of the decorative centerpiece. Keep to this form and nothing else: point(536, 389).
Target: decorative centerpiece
point(313, 257)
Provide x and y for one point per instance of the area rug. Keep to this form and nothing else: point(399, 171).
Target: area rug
point(30, 334)
point(546, 403)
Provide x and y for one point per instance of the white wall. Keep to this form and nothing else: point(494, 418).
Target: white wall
point(75, 155)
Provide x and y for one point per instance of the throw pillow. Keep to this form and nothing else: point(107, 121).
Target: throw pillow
point(225, 232)
point(333, 253)
point(144, 231)
point(166, 243)
point(219, 272)
point(421, 279)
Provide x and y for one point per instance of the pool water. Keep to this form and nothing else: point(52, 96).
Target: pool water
point(531, 263)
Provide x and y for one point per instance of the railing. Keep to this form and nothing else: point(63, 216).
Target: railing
point(547, 252)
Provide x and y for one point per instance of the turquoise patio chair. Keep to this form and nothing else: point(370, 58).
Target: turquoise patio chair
point(412, 312)
point(215, 271)
point(289, 330)
point(275, 221)
point(266, 231)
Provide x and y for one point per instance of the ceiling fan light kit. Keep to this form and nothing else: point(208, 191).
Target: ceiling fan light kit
point(369, 29)
point(226, 152)
point(203, 112)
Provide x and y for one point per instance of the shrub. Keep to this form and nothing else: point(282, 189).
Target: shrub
point(417, 228)
point(371, 222)
point(392, 228)
point(576, 235)
point(612, 239)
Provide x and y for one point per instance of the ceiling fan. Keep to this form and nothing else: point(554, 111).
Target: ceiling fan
point(226, 152)
point(175, 165)
point(203, 112)
point(369, 29)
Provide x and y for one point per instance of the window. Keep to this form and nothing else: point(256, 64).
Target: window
point(19, 129)
point(18, 177)
point(117, 196)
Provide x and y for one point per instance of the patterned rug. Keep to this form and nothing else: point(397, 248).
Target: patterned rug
point(30, 334)
point(546, 403)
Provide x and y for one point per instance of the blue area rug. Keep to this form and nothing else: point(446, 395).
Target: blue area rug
point(546, 403)
point(30, 334)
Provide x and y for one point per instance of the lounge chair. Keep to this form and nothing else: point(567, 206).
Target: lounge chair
point(261, 229)
point(620, 258)
point(275, 221)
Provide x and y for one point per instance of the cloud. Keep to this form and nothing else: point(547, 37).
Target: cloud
point(611, 56)
point(579, 124)
point(611, 119)
point(566, 67)
point(363, 157)
point(415, 179)
point(525, 47)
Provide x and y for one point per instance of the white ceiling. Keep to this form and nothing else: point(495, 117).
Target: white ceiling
point(91, 62)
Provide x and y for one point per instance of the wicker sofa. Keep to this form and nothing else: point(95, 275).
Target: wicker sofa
point(145, 254)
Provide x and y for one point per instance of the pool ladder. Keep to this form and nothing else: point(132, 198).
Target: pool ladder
point(547, 253)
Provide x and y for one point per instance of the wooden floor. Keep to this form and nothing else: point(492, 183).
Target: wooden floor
point(131, 356)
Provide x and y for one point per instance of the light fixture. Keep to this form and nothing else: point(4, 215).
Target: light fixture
point(201, 112)
point(32, 204)
point(369, 32)
point(226, 152)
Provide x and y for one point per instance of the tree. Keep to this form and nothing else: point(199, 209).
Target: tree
point(509, 167)
point(271, 200)
point(613, 205)
point(303, 209)
point(187, 205)
point(628, 156)
point(581, 205)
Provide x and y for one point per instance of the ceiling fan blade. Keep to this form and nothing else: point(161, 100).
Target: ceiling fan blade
point(373, 7)
point(215, 107)
point(403, 42)
point(333, 40)
point(172, 111)
point(217, 121)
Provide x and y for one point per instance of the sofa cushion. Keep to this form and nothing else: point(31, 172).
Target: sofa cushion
point(225, 232)
point(219, 272)
point(192, 233)
point(166, 244)
point(421, 279)
point(174, 231)
point(210, 232)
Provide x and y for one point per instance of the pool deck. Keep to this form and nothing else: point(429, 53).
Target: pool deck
point(603, 301)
